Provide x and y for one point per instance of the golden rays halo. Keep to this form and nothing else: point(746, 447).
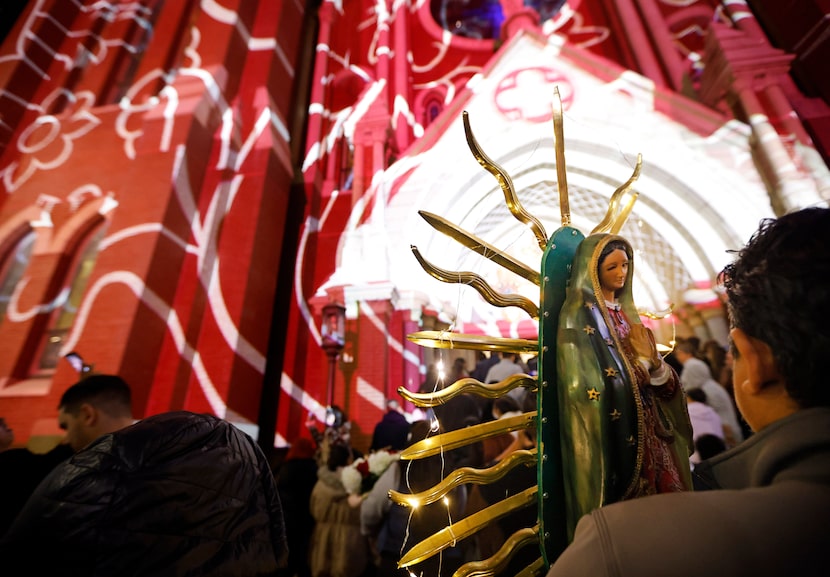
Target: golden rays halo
point(551, 276)
point(468, 385)
point(466, 475)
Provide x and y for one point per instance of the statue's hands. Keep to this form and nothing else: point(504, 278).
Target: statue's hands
point(642, 340)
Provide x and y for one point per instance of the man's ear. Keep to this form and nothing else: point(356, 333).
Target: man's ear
point(88, 414)
point(761, 368)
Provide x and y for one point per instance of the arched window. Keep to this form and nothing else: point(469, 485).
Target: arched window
point(13, 269)
point(476, 19)
point(432, 109)
point(482, 19)
point(68, 302)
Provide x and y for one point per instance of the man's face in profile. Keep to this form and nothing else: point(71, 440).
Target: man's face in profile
point(77, 433)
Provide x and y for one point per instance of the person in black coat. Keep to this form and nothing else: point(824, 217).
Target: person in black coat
point(95, 405)
point(295, 481)
point(174, 494)
point(22, 471)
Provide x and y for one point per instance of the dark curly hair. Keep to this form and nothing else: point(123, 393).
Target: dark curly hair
point(778, 292)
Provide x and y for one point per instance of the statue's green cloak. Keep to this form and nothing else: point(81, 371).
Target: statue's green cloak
point(601, 411)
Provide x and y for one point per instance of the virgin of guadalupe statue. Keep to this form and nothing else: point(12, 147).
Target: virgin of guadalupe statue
point(624, 424)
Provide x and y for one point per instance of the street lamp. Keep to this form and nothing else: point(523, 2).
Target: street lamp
point(334, 339)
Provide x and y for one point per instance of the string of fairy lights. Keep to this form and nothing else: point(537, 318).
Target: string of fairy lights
point(435, 425)
point(414, 502)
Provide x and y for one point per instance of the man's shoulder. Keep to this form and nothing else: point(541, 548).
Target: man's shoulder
point(699, 505)
point(695, 533)
point(171, 434)
point(756, 511)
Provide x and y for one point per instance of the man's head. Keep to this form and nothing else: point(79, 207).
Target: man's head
point(695, 374)
point(684, 350)
point(779, 303)
point(95, 406)
point(696, 396)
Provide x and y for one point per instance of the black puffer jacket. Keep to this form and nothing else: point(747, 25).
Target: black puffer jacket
point(175, 494)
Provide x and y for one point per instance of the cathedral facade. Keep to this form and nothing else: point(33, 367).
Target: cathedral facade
point(217, 199)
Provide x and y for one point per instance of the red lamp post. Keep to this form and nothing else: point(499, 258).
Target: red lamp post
point(334, 339)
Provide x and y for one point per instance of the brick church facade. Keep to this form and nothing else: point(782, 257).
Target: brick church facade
point(188, 186)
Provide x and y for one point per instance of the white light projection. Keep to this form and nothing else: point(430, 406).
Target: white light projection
point(16, 315)
point(38, 142)
point(206, 234)
point(205, 249)
point(109, 11)
point(164, 311)
point(393, 343)
point(48, 143)
point(378, 21)
point(572, 24)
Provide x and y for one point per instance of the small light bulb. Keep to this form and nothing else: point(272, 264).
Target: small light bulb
point(447, 501)
point(434, 426)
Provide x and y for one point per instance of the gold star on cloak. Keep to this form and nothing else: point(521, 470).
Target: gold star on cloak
point(589, 305)
point(611, 372)
point(589, 330)
point(593, 394)
point(631, 440)
point(615, 415)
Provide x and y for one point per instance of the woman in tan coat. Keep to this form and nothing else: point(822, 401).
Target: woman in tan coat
point(337, 547)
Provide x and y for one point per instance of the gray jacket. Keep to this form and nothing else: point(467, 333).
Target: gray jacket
point(768, 517)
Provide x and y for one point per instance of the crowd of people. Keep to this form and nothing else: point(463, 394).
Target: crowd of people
point(367, 536)
point(187, 494)
point(711, 403)
point(362, 533)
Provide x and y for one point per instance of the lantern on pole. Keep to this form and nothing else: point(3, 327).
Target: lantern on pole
point(334, 339)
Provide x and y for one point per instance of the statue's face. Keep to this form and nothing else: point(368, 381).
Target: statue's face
point(613, 271)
